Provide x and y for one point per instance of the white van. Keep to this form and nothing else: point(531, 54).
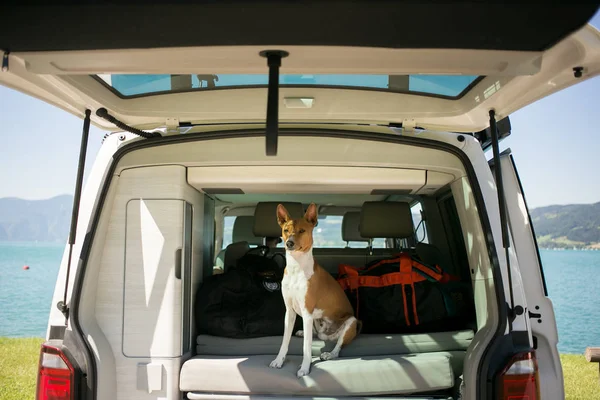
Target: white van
point(220, 111)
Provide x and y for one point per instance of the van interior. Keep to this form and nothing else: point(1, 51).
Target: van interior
point(178, 213)
point(384, 363)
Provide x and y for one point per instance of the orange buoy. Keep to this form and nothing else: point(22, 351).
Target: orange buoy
point(25, 267)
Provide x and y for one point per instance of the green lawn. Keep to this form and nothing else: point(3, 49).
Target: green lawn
point(581, 377)
point(18, 367)
point(19, 359)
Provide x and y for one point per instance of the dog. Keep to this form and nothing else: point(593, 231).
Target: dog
point(310, 291)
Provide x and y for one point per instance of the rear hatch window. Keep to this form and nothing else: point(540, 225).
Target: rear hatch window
point(129, 85)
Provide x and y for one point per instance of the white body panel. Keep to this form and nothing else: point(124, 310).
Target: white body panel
point(543, 327)
point(129, 367)
point(138, 348)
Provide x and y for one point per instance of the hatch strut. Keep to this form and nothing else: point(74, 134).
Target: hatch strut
point(503, 218)
point(101, 112)
point(62, 305)
point(274, 62)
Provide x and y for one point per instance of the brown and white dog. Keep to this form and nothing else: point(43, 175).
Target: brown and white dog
point(311, 292)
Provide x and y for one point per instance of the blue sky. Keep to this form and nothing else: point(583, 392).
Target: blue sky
point(555, 142)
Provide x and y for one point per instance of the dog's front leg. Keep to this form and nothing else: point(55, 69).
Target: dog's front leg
point(307, 324)
point(288, 327)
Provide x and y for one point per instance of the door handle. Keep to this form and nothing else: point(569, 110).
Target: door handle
point(178, 263)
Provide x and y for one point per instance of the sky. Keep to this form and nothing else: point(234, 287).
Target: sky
point(555, 143)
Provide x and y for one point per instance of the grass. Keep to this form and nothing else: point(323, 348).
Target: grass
point(19, 359)
point(18, 367)
point(560, 242)
point(581, 377)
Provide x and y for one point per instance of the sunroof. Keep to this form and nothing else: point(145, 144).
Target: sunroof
point(447, 86)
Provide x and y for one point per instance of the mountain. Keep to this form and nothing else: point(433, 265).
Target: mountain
point(558, 226)
point(35, 220)
point(568, 226)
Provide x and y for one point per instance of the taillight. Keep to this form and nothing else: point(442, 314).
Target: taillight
point(55, 376)
point(519, 379)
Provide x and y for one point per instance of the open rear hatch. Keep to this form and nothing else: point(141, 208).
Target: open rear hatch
point(435, 66)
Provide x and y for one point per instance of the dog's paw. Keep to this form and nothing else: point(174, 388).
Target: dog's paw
point(299, 333)
point(328, 356)
point(277, 363)
point(303, 371)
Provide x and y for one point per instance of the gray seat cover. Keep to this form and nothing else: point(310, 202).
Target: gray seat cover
point(363, 345)
point(400, 374)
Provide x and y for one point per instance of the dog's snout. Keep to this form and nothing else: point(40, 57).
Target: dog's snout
point(290, 243)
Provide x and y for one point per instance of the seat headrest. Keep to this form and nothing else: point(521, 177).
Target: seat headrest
point(265, 217)
point(386, 219)
point(243, 230)
point(233, 253)
point(350, 227)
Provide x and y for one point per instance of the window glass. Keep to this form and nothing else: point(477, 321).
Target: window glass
point(449, 86)
point(328, 233)
point(419, 224)
point(228, 230)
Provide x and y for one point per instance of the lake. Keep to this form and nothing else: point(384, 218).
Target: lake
point(572, 277)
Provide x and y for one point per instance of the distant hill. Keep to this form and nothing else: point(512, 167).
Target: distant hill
point(559, 226)
point(574, 225)
point(35, 220)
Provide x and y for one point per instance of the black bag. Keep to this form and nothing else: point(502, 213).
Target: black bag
point(245, 301)
point(403, 295)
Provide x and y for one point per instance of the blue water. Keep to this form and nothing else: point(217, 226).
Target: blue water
point(26, 296)
point(572, 278)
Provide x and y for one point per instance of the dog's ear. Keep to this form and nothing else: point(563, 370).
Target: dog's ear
point(282, 215)
point(311, 214)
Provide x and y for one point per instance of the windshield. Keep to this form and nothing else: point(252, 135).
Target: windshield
point(447, 86)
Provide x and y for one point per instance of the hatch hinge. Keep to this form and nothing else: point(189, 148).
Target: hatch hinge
point(5, 61)
point(408, 125)
point(172, 125)
point(273, 62)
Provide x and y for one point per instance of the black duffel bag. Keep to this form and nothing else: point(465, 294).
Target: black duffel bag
point(404, 295)
point(246, 300)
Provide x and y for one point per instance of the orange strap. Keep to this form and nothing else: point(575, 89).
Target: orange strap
point(435, 274)
point(350, 278)
point(394, 278)
point(405, 262)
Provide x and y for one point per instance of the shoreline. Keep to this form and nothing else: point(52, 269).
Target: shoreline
point(41, 339)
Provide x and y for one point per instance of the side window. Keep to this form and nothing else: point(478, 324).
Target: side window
point(227, 230)
point(419, 224)
point(328, 233)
